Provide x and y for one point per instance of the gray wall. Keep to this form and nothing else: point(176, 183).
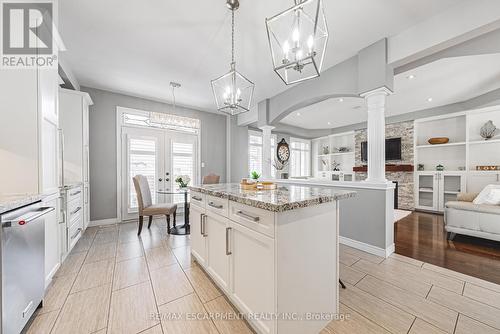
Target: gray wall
point(239, 151)
point(103, 168)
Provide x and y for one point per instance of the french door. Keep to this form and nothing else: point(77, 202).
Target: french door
point(161, 156)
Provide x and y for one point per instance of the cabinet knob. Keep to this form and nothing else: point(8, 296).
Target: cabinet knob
point(160, 179)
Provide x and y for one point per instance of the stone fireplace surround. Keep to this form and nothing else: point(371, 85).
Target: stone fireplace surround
point(405, 131)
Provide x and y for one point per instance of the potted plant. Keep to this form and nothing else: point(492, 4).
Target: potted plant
point(182, 181)
point(255, 176)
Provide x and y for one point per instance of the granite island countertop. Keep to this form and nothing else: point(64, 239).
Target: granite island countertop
point(12, 202)
point(285, 197)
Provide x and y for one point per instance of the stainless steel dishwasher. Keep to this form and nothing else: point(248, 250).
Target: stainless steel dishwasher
point(23, 248)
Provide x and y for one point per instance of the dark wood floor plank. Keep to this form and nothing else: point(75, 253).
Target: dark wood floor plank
point(422, 236)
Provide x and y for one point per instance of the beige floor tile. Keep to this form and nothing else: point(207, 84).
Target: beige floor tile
point(423, 275)
point(229, 323)
point(128, 235)
point(176, 241)
point(130, 272)
point(424, 309)
point(83, 244)
point(132, 310)
point(109, 228)
point(84, 312)
point(43, 323)
point(159, 257)
point(184, 306)
point(128, 226)
point(104, 237)
point(94, 274)
point(353, 323)
point(153, 330)
point(484, 313)
point(170, 283)
point(348, 259)
point(483, 295)
point(56, 293)
point(90, 231)
point(394, 276)
point(422, 327)
point(102, 331)
point(71, 264)
point(183, 256)
point(466, 325)
point(129, 250)
point(463, 277)
point(203, 286)
point(152, 239)
point(361, 254)
point(380, 312)
point(407, 259)
point(99, 252)
point(350, 275)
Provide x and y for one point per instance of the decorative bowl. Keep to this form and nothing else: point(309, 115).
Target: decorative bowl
point(438, 140)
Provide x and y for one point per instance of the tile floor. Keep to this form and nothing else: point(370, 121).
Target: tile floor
point(116, 282)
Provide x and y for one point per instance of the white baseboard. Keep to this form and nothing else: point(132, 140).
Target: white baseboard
point(101, 222)
point(367, 247)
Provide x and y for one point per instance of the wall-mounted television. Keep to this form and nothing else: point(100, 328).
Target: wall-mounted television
point(392, 149)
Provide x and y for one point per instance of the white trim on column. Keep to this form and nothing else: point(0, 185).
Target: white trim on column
point(266, 150)
point(367, 247)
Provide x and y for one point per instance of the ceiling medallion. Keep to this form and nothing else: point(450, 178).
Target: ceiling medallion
point(298, 38)
point(233, 92)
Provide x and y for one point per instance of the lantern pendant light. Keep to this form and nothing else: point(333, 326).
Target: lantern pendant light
point(298, 38)
point(233, 92)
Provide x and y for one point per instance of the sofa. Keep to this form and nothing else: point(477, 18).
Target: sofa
point(477, 220)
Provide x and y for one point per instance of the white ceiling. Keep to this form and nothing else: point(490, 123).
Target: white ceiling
point(139, 47)
point(446, 81)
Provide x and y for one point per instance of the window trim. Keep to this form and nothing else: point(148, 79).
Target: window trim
point(309, 150)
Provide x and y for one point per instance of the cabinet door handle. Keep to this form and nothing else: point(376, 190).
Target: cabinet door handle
point(75, 193)
point(247, 216)
point(203, 227)
point(76, 233)
point(196, 198)
point(217, 206)
point(228, 252)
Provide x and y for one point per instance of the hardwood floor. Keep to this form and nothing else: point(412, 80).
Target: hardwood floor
point(422, 236)
point(136, 284)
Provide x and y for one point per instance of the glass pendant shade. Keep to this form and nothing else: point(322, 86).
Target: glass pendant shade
point(298, 38)
point(233, 92)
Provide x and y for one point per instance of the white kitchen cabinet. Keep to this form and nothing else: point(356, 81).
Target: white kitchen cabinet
point(217, 231)
point(52, 244)
point(198, 237)
point(434, 189)
point(251, 272)
point(476, 181)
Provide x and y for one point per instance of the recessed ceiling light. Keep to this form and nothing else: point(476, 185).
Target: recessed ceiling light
point(410, 77)
point(329, 123)
point(429, 99)
point(298, 114)
point(341, 100)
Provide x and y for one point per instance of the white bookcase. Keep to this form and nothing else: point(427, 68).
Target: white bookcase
point(465, 151)
point(323, 161)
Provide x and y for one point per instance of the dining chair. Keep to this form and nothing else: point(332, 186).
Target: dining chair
point(211, 179)
point(146, 206)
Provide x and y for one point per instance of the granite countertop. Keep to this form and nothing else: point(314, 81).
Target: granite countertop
point(286, 197)
point(12, 202)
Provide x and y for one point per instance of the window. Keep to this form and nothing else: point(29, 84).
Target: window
point(300, 157)
point(255, 152)
point(142, 160)
point(183, 162)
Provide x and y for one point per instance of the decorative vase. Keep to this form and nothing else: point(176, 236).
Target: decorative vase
point(440, 168)
point(488, 130)
point(326, 150)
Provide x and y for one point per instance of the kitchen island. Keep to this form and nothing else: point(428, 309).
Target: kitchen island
point(274, 253)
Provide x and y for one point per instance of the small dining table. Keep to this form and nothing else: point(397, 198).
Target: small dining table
point(185, 228)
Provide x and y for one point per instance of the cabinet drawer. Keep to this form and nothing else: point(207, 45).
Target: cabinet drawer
point(217, 204)
point(74, 209)
point(197, 198)
point(75, 232)
point(254, 218)
point(74, 194)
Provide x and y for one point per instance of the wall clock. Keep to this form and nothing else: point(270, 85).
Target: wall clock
point(283, 151)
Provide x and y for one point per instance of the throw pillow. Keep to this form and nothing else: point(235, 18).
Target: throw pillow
point(490, 195)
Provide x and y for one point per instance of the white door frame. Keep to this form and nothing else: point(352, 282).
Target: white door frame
point(119, 125)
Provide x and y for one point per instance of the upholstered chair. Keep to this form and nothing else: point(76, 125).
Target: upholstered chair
point(211, 179)
point(146, 206)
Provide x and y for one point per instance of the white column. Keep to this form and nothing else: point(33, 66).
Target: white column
point(266, 150)
point(375, 101)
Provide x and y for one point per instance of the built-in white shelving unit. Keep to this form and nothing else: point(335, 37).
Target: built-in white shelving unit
point(328, 150)
point(460, 156)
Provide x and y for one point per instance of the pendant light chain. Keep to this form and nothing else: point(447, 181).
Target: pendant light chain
point(232, 36)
